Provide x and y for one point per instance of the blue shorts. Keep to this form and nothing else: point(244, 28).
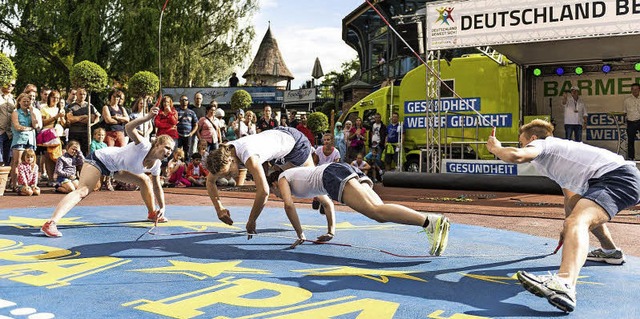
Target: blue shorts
point(336, 176)
point(94, 161)
point(301, 150)
point(61, 180)
point(615, 190)
point(22, 147)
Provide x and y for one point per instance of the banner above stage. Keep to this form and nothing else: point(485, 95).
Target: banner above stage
point(460, 24)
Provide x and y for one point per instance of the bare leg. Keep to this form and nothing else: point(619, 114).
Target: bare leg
point(144, 182)
point(15, 160)
point(586, 215)
point(601, 232)
point(88, 179)
point(49, 166)
point(359, 197)
point(604, 237)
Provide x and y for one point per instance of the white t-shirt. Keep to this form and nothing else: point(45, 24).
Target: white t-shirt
point(571, 164)
point(632, 108)
point(305, 182)
point(267, 145)
point(128, 158)
point(375, 132)
point(359, 166)
point(324, 159)
point(574, 111)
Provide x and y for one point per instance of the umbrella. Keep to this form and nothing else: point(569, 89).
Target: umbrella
point(317, 70)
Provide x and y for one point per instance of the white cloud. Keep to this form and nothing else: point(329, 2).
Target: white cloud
point(301, 47)
point(304, 30)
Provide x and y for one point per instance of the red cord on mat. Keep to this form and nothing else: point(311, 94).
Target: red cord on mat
point(152, 232)
point(558, 247)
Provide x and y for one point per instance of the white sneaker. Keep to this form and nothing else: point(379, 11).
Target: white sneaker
point(438, 233)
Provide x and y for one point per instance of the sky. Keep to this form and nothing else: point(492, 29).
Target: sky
point(304, 30)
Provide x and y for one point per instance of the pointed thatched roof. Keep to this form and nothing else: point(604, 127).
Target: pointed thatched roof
point(268, 66)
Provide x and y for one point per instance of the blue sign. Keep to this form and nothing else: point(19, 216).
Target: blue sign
point(458, 121)
point(448, 104)
point(602, 134)
point(482, 168)
point(604, 119)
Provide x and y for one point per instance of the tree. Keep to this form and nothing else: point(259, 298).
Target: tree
point(144, 83)
point(318, 122)
point(240, 99)
point(8, 71)
point(202, 40)
point(335, 80)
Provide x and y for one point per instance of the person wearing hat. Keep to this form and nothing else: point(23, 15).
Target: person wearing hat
point(339, 140)
point(575, 114)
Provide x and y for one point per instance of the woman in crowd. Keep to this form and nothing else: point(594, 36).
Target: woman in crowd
point(167, 120)
point(24, 123)
point(139, 109)
point(356, 139)
point(115, 118)
point(208, 130)
point(339, 141)
point(250, 122)
point(53, 117)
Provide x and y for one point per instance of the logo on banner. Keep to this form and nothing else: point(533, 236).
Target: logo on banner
point(445, 15)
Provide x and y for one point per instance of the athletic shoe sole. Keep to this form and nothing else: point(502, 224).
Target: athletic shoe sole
point(444, 237)
point(610, 261)
point(439, 228)
point(557, 300)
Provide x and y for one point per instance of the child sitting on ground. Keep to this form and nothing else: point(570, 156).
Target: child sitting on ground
point(97, 143)
point(360, 164)
point(66, 171)
point(196, 173)
point(27, 172)
point(176, 169)
point(374, 160)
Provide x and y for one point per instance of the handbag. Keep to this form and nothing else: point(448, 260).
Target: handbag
point(47, 137)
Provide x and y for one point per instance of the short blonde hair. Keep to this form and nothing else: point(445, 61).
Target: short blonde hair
point(540, 128)
point(253, 116)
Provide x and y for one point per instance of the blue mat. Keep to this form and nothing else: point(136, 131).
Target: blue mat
point(108, 265)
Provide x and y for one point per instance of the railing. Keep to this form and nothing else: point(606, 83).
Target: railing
point(449, 145)
point(469, 143)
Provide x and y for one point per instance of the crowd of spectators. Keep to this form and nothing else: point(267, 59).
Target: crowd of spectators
point(56, 130)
